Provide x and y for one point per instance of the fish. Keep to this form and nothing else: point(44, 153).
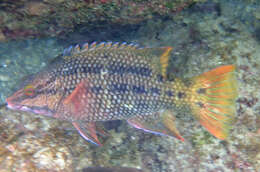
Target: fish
point(92, 83)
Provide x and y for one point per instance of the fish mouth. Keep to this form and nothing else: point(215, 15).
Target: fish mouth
point(13, 106)
point(17, 107)
point(37, 110)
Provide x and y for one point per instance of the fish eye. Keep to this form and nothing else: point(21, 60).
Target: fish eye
point(29, 90)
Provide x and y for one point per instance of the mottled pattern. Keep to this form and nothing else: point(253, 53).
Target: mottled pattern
point(120, 82)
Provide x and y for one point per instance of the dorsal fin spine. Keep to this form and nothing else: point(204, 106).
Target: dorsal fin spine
point(67, 51)
point(93, 45)
point(115, 45)
point(108, 44)
point(164, 60)
point(77, 48)
point(123, 45)
point(101, 45)
point(85, 46)
point(71, 50)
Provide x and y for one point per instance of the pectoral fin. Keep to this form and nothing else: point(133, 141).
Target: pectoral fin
point(87, 131)
point(77, 101)
point(159, 123)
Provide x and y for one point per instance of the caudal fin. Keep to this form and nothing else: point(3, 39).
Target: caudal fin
point(213, 99)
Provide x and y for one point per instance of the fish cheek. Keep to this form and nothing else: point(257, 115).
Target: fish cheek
point(42, 104)
point(37, 101)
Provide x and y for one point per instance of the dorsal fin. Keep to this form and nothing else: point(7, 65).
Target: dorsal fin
point(70, 51)
point(164, 60)
point(93, 45)
point(159, 58)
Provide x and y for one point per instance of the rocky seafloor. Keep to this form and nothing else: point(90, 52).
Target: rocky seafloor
point(204, 36)
point(34, 18)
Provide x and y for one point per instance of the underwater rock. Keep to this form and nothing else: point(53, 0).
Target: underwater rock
point(111, 169)
point(36, 8)
point(27, 18)
point(4, 77)
point(2, 37)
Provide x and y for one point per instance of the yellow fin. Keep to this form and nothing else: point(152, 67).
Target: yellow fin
point(159, 58)
point(213, 99)
point(164, 60)
point(169, 122)
point(161, 123)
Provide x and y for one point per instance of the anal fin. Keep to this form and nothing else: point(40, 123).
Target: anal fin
point(87, 131)
point(159, 123)
point(169, 122)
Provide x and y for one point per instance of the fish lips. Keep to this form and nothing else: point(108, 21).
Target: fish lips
point(12, 105)
point(34, 109)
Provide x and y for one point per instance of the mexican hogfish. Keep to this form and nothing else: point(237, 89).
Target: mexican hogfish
point(121, 81)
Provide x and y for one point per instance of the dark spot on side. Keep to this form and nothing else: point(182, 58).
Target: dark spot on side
point(120, 69)
point(181, 95)
point(96, 69)
point(169, 93)
point(201, 105)
point(160, 78)
point(86, 69)
point(119, 88)
point(187, 82)
point(201, 91)
point(144, 71)
point(130, 69)
point(138, 89)
point(112, 69)
point(155, 90)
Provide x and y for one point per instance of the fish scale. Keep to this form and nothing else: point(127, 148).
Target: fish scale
point(106, 81)
point(116, 71)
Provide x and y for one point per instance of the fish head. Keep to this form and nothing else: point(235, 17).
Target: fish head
point(36, 95)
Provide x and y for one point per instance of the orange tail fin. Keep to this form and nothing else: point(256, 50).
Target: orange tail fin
point(213, 99)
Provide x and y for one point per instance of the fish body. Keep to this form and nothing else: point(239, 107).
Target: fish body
point(118, 81)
